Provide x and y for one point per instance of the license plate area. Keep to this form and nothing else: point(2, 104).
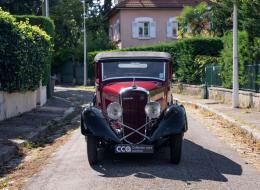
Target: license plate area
point(134, 149)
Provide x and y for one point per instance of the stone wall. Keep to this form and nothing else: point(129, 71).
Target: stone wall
point(193, 90)
point(246, 99)
point(13, 104)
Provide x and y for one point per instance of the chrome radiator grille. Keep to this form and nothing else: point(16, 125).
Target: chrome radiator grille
point(133, 104)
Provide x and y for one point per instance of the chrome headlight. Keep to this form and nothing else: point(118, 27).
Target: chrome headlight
point(153, 110)
point(114, 111)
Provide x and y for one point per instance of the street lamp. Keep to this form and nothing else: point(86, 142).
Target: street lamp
point(85, 44)
point(235, 94)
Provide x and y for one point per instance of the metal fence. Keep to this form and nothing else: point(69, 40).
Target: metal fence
point(252, 77)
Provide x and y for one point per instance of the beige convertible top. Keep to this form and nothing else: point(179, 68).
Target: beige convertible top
point(132, 55)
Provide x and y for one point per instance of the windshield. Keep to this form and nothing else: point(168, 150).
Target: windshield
point(133, 69)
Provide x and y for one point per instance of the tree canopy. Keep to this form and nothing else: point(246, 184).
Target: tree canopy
point(21, 7)
point(68, 18)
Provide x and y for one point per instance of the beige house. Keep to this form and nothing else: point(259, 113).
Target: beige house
point(142, 22)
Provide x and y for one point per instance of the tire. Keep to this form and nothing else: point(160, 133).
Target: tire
point(176, 148)
point(82, 129)
point(92, 149)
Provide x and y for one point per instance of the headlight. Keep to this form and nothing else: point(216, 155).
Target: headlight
point(152, 110)
point(114, 111)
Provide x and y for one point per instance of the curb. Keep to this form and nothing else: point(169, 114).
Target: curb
point(12, 151)
point(252, 132)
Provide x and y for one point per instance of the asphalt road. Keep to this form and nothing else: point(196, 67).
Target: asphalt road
point(207, 163)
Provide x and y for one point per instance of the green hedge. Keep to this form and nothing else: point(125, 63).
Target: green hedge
point(186, 55)
point(48, 26)
point(24, 54)
point(226, 59)
point(42, 22)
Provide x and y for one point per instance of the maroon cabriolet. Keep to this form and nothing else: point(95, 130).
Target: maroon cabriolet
point(132, 110)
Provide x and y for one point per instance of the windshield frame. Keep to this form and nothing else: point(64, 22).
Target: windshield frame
point(131, 77)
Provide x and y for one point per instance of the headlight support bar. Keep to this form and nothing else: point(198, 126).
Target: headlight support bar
point(135, 130)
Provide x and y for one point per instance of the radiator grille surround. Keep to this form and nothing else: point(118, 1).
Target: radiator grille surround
point(133, 101)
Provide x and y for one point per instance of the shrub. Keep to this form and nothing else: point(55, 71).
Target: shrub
point(226, 59)
point(24, 54)
point(48, 26)
point(201, 61)
point(42, 22)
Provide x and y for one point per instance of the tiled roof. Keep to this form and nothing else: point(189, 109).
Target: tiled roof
point(158, 3)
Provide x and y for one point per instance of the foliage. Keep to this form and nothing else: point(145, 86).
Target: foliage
point(226, 59)
point(196, 19)
point(189, 56)
point(42, 22)
point(221, 16)
point(47, 25)
point(22, 7)
point(67, 15)
point(201, 61)
point(24, 51)
point(250, 16)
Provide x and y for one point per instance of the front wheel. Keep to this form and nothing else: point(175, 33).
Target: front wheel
point(92, 149)
point(176, 148)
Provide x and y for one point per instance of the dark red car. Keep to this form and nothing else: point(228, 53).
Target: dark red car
point(132, 110)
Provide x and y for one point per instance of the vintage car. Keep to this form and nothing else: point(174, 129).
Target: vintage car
point(133, 109)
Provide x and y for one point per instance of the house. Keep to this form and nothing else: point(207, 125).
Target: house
point(142, 22)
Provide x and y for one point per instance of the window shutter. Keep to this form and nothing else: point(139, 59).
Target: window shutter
point(169, 29)
point(135, 30)
point(153, 29)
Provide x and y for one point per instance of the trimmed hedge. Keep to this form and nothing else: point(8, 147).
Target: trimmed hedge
point(24, 54)
point(42, 22)
point(48, 26)
point(185, 56)
point(226, 59)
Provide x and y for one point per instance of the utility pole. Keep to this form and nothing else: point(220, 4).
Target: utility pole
point(46, 8)
point(235, 94)
point(85, 45)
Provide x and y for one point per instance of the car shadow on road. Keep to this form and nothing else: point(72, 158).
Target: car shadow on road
point(197, 164)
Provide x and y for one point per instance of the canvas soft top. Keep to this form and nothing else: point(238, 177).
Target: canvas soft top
point(132, 55)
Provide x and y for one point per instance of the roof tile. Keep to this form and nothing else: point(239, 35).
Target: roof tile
point(158, 3)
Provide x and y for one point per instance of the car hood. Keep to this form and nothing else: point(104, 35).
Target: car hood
point(115, 88)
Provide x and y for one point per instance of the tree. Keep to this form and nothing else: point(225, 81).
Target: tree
point(221, 16)
point(68, 18)
point(195, 19)
point(21, 7)
point(250, 15)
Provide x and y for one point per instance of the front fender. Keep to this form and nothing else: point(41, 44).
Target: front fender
point(173, 121)
point(95, 124)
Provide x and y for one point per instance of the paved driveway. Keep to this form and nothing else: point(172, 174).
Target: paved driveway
point(207, 163)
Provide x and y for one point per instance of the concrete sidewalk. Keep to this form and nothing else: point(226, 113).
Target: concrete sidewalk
point(246, 119)
point(30, 126)
point(34, 125)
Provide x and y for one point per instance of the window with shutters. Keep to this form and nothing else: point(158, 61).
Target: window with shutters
point(144, 28)
point(172, 28)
